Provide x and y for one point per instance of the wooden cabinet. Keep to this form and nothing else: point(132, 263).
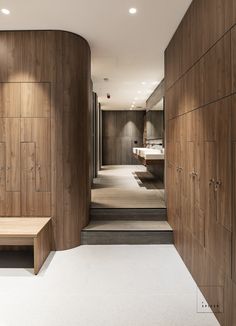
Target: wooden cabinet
point(25, 145)
point(45, 94)
point(200, 170)
point(200, 74)
point(217, 71)
point(218, 182)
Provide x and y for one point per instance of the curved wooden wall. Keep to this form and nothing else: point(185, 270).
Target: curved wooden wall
point(45, 96)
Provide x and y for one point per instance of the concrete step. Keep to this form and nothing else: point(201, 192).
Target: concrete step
point(137, 214)
point(107, 232)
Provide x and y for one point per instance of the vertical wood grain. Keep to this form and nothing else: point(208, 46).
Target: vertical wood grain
point(200, 70)
point(10, 100)
point(121, 130)
point(2, 179)
point(42, 247)
point(38, 131)
point(35, 100)
point(45, 87)
point(12, 154)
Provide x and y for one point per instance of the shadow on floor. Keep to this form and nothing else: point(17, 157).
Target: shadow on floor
point(148, 180)
point(16, 259)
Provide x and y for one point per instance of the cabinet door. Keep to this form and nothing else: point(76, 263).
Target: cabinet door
point(234, 212)
point(224, 163)
point(10, 166)
point(199, 195)
point(36, 166)
point(190, 185)
point(34, 203)
point(35, 149)
point(2, 179)
point(218, 237)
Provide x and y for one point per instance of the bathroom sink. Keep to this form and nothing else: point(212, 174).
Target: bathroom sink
point(149, 153)
point(136, 150)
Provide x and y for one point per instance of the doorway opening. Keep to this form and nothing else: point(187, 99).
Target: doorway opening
point(128, 184)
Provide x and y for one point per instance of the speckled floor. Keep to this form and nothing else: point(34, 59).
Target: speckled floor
point(103, 286)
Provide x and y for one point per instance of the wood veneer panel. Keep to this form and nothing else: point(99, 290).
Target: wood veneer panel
point(10, 166)
point(50, 72)
point(217, 19)
point(224, 163)
point(207, 73)
point(2, 179)
point(120, 132)
point(38, 56)
point(233, 119)
point(38, 131)
point(234, 214)
point(234, 304)
point(35, 100)
point(233, 58)
point(42, 247)
point(10, 100)
point(33, 203)
point(203, 25)
point(10, 53)
point(12, 128)
point(217, 71)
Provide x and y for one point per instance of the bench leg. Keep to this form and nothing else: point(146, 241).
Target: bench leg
point(42, 247)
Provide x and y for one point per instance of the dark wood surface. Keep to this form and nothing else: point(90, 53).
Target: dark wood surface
point(45, 94)
point(121, 131)
point(200, 147)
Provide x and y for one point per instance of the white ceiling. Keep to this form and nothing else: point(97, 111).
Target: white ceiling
point(127, 49)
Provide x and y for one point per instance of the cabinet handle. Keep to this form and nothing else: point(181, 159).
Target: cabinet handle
point(211, 182)
point(217, 185)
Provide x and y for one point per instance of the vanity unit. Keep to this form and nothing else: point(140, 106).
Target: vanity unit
point(149, 156)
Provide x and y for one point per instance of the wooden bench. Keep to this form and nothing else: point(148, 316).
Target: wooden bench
point(20, 231)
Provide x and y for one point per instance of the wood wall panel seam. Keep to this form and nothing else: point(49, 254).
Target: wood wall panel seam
point(206, 123)
point(49, 74)
point(199, 59)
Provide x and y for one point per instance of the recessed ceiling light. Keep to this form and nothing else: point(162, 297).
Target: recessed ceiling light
point(5, 11)
point(139, 92)
point(136, 98)
point(132, 11)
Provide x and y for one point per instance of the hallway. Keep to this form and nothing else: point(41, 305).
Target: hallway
point(127, 186)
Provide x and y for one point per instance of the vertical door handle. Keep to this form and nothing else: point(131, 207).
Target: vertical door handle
point(217, 185)
point(211, 182)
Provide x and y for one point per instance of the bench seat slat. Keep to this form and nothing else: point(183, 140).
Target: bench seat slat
point(22, 226)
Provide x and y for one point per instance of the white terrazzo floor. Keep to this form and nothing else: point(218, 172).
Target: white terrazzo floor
point(103, 286)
